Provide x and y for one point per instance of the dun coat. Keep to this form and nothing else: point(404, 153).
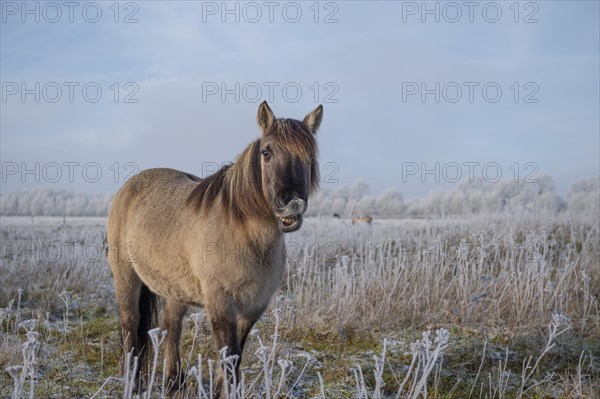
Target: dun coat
point(215, 242)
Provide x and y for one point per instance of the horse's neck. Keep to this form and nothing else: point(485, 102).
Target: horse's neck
point(246, 191)
point(262, 234)
point(257, 220)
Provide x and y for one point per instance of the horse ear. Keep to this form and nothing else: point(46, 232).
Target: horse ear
point(265, 117)
point(313, 120)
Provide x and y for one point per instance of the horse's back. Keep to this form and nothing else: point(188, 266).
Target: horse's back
point(156, 180)
point(153, 198)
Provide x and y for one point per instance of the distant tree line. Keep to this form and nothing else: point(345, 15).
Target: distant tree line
point(474, 197)
point(51, 202)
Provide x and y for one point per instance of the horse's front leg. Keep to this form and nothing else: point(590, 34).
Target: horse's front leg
point(245, 324)
point(222, 315)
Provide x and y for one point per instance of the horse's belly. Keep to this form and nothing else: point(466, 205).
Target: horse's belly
point(174, 283)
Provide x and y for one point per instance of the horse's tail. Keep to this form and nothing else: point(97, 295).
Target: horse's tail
point(148, 307)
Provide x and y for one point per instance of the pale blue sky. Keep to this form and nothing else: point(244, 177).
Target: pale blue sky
point(366, 61)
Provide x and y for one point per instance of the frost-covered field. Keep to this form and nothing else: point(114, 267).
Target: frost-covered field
point(485, 306)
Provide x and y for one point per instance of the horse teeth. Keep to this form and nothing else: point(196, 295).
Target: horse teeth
point(289, 219)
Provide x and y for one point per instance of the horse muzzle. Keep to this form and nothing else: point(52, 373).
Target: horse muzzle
point(290, 216)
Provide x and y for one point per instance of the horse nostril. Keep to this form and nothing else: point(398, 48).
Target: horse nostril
point(281, 202)
point(284, 199)
point(292, 202)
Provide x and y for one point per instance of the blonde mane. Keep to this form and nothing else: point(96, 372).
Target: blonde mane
point(238, 186)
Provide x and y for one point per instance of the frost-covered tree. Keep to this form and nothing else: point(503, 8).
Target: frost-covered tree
point(390, 203)
point(50, 202)
point(584, 196)
point(483, 196)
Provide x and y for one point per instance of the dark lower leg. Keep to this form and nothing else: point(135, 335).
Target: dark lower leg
point(171, 317)
point(224, 326)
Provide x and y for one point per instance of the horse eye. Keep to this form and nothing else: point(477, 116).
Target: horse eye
point(266, 154)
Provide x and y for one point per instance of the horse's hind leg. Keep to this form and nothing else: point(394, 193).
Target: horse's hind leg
point(128, 287)
point(170, 320)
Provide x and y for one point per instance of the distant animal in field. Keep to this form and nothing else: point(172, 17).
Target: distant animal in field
point(337, 216)
point(171, 234)
point(362, 219)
